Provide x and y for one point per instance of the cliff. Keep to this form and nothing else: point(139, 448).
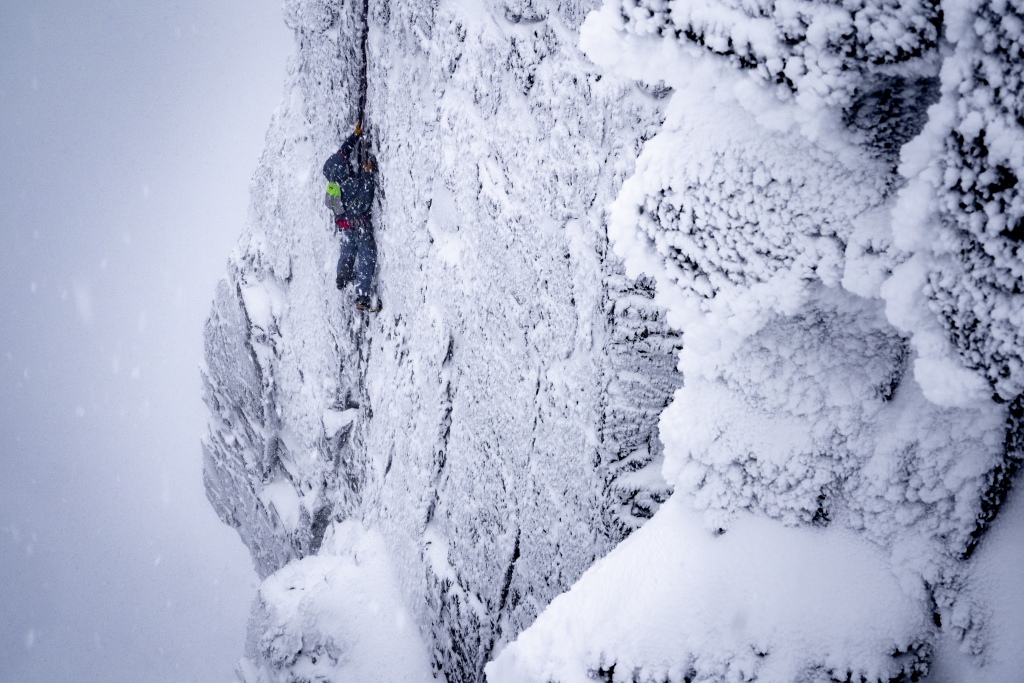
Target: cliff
point(746, 270)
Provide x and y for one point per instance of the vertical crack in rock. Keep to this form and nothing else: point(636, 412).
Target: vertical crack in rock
point(499, 619)
point(278, 459)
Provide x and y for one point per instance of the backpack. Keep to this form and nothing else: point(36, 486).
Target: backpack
point(350, 197)
point(332, 200)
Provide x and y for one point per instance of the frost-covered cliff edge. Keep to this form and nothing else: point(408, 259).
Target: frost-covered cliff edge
point(576, 199)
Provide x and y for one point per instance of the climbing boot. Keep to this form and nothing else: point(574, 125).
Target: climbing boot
point(365, 303)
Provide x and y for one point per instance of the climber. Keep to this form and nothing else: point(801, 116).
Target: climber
point(351, 174)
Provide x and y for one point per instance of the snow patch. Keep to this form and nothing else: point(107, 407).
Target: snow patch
point(336, 420)
point(282, 497)
point(264, 302)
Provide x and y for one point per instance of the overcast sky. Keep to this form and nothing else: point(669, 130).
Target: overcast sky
point(128, 135)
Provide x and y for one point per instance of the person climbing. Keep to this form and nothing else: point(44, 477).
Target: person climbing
point(351, 174)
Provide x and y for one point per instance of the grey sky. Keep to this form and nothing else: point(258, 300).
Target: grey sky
point(128, 134)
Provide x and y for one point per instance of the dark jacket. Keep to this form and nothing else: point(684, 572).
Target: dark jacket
point(357, 184)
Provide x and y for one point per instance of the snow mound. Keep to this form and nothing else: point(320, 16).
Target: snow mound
point(335, 616)
point(841, 336)
point(762, 602)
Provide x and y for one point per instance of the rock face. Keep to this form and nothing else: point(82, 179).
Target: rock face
point(568, 192)
point(497, 421)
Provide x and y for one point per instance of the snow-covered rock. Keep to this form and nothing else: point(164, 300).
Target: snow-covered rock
point(763, 602)
point(337, 615)
point(809, 209)
point(962, 213)
point(497, 421)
